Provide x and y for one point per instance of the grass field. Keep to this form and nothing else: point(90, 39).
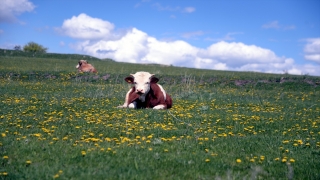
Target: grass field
point(58, 124)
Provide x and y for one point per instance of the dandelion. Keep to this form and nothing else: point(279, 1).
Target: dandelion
point(284, 159)
point(28, 162)
point(5, 157)
point(4, 173)
point(56, 176)
point(292, 160)
point(207, 160)
point(285, 141)
point(238, 160)
point(83, 153)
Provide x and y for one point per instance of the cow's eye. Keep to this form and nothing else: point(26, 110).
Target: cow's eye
point(147, 83)
point(135, 82)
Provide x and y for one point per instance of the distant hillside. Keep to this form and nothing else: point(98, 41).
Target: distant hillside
point(15, 53)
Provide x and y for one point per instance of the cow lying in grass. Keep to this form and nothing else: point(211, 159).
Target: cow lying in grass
point(146, 93)
point(84, 66)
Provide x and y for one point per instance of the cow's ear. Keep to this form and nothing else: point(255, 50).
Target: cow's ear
point(129, 79)
point(154, 79)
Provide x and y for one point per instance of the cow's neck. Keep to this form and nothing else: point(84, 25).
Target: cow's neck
point(142, 97)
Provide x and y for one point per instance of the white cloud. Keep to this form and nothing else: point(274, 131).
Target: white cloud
point(271, 25)
point(136, 46)
point(277, 25)
point(227, 37)
point(62, 43)
point(236, 54)
point(188, 35)
point(189, 9)
point(86, 27)
point(129, 48)
point(160, 7)
point(312, 50)
point(9, 9)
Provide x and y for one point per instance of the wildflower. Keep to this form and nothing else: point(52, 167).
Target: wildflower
point(238, 160)
point(284, 159)
point(292, 160)
point(5, 157)
point(207, 160)
point(4, 173)
point(56, 176)
point(285, 141)
point(28, 162)
point(83, 153)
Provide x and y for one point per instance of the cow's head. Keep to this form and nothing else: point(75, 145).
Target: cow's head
point(81, 62)
point(141, 81)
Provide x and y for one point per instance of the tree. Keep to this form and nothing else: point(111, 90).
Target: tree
point(17, 48)
point(34, 47)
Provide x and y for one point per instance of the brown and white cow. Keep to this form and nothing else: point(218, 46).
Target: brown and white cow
point(84, 66)
point(146, 93)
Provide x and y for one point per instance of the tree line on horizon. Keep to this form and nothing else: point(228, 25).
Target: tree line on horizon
point(31, 47)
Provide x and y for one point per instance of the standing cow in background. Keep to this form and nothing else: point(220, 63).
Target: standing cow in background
point(84, 66)
point(146, 93)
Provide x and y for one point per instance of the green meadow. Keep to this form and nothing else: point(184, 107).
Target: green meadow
point(56, 123)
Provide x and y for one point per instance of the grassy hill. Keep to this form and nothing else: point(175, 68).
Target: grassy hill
point(23, 62)
point(57, 123)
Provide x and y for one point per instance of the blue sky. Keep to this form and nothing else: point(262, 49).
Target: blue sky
point(272, 36)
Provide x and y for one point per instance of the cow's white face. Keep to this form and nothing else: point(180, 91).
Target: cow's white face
point(141, 82)
point(80, 63)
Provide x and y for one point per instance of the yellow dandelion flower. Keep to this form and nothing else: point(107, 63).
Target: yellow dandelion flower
point(28, 162)
point(285, 141)
point(207, 160)
point(238, 160)
point(5, 157)
point(56, 176)
point(292, 160)
point(83, 153)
